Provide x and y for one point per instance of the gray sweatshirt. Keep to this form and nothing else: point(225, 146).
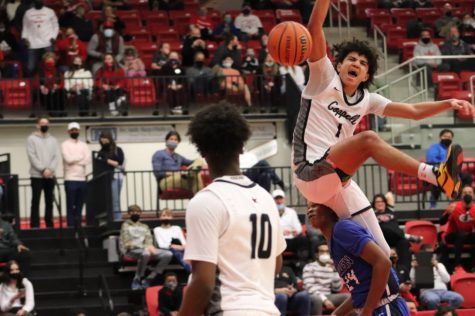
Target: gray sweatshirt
point(429, 49)
point(43, 153)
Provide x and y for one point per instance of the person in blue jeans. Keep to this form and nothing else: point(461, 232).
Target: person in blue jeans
point(287, 296)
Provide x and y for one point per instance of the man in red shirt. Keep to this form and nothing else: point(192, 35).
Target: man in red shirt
point(461, 223)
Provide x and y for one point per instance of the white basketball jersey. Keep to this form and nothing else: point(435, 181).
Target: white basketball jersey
point(327, 115)
point(234, 223)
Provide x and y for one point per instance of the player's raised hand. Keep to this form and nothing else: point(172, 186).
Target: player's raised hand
point(462, 105)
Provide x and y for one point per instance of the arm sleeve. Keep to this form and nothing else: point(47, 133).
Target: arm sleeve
point(86, 156)
point(92, 47)
point(31, 151)
point(68, 156)
point(431, 154)
point(377, 104)
point(321, 74)
point(157, 165)
point(206, 218)
point(124, 237)
point(55, 159)
point(444, 275)
point(351, 236)
point(148, 238)
point(29, 296)
point(25, 32)
point(418, 52)
point(4, 299)
point(54, 25)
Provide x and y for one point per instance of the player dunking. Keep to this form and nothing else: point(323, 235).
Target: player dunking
point(325, 152)
point(234, 239)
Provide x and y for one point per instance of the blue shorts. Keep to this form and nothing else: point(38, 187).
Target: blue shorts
point(398, 307)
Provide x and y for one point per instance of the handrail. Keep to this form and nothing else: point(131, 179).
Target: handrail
point(341, 16)
point(377, 31)
point(105, 295)
point(83, 246)
point(471, 89)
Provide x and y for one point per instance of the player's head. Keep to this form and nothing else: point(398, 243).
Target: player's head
point(219, 132)
point(356, 62)
point(321, 216)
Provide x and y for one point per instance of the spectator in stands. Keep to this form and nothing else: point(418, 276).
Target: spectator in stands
point(405, 283)
point(264, 174)
point(168, 236)
point(43, 154)
point(175, 83)
point(411, 306)
point(322, 282)
point(292, 228)
point(39, 32)
point(51, 90)
point(192, 44)
point(231, 47)
point(116, 4)
point(11, 248)
point(264, 51)
point(287, 296)
point(446, 21)
point(425, 47)
point(227, 27)
point(16, 292)
point(78, 83)
point(249, 23)
point(113, 160)
point(170, 296)
point(8, 43)
point(455, 46)
point(68, 48)
point(76, 19)
point(250, 65)
point(110, 81)
point(199, 77)
point(24, 6)
point(167, 166)
point(134, 66)
point(76, 158)
point(446, 311)
point(105, 41)
point(296, 73)
point(108, 15)
point(167, 5)
point(460, 217)
point(11, 8)
point(231, 83)
point(203, 22)
point(136, 241)
point(431, 298)
point(384, 208)
point(160, 58)
point(467, 29)
point(270, 84)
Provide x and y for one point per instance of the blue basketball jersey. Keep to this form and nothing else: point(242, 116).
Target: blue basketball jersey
point(347, 242)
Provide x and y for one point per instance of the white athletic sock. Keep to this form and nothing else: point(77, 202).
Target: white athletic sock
point(426, 173)
point(368, 220)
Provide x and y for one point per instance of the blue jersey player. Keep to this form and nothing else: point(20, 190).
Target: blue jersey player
point(362, 264)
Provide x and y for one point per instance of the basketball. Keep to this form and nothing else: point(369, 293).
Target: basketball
point(289, 43)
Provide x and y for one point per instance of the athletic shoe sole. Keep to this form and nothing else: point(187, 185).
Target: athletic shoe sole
point(449, 172)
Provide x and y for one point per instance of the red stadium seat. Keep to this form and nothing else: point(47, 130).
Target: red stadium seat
point(343, 8)
point(465, 78)
point(406, 45)
point(401, 184)
point(16, 94)
point(466, 5)
point(166, 35)
point(158, 18)
point(138, 33)
point(145, 48)
point(181, 21)
point(428, 15)
point(464, 283)
point(446, 82)
point(402, 16)
point(266, 16)
point(361, 6)
point(393, 34)
point(151, 297)
point(378, 17)
point(425, 229)
point(363, 125)
point(138, 5)
point(469, 167)
point(142, 92)
point(288, 15)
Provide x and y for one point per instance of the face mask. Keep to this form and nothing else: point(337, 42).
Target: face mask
point(171, 285)
point(171, 144)
point(74, 135)
point(454, 38)
point(174, 62)
point(77, 66)
point(467, 198)
point(49, 63)
point(446, 142)
point(16, 276)
point(393, 259)
point(228, 20)
point(165, 222)
point(269, 63)
point(425, 40)
point(281, 207)
point(135, 218)
point(325, 258)
point(106, 146)
point(44, 129)
point(246, 11)
point(227, 65)
point(199, 64)
point(108, 32)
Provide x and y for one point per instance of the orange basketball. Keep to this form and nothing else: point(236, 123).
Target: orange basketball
point(289, 43)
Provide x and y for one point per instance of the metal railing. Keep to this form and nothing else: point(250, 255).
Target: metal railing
point(383, 48)
point(341, 16)
point(105, 296)
point(157, 95)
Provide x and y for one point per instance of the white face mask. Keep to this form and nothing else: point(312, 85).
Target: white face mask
point(108, 32)
point(325, 258)
point(227, 65)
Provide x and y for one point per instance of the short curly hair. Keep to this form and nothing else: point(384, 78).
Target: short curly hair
point(362, 48)
point(219, 131)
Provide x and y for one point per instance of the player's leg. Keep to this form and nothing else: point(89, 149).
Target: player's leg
point(369, 145)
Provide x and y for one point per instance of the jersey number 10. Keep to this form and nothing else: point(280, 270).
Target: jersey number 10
point(265, 236)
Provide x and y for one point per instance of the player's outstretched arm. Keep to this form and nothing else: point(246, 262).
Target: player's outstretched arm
point(200, 289)
point(315, 27)
point(418, 111)
point(374, 256)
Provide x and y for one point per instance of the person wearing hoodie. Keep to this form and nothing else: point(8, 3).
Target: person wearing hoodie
point(43, 154)
point(51, 89)
point(136, 241)
point(425, 47)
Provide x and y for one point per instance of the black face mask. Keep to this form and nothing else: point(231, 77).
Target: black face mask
point(165, 221)
point(246, 11)
point(74, 135)
point(467, 198)
point(449, 13)
point(425, 40)
point(135, 217)
point(16, 276)
point(199, 64)
point(393, 259)
point(446, 142)
point(44, 129)
point(75, 66)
